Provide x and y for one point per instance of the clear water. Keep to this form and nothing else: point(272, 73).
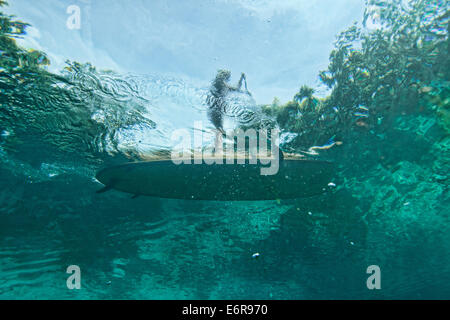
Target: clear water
point(380, 111)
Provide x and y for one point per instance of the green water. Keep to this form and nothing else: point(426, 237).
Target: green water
point(386, 118)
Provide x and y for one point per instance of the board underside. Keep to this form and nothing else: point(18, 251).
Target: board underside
point(296, 178)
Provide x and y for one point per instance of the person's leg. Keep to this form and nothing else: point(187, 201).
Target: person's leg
point(218, 144)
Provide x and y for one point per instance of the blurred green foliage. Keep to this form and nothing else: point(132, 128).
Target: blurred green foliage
point(12, 57)
point(397, 62)
point(37, 105)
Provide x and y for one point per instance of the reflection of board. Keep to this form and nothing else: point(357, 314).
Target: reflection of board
point(296, 178)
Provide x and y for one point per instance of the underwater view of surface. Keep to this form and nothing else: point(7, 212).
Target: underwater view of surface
point(90, 84)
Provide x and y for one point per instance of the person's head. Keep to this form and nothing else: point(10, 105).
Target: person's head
point(223, 75)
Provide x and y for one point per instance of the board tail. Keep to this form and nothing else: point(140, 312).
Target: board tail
point(104, 189)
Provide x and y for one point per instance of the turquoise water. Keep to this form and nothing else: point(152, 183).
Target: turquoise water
point(384, 121)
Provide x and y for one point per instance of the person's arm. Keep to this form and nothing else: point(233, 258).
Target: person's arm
point(239, 85)
point(240, 81)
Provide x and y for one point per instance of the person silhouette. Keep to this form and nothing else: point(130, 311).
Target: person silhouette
point(216, 101)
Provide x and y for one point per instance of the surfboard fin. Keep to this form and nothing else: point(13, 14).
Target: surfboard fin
point(104, 189)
